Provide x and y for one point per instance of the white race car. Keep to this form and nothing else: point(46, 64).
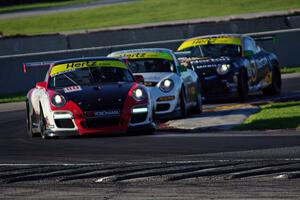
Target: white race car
point(174, 89)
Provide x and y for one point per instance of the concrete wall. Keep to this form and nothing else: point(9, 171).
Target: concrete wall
point(149, 33)
point(12, 80)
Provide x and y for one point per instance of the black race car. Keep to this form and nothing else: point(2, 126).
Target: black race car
point(231, 64)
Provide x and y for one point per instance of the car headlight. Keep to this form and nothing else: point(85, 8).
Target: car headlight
point(58, 100)
point(166, 85)
point(223, 69)
point(138, 94)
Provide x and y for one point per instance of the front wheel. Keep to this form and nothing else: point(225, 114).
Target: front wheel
point(29, 125)
point(275, 86)
point(42, 125)
point(198, 107)
point(243, 89)
point(182, 104)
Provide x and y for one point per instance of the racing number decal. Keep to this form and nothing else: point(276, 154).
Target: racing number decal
point(254, 70)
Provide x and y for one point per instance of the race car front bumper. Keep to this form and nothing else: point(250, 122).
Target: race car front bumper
point(215, 87)
point(65, 123)
point(165, 104)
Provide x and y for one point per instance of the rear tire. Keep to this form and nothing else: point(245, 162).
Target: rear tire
point(243, 89)
point(275, 87)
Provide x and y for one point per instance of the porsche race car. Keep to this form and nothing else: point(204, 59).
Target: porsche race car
point(174, 89)
point(230, 65)
point(88, 96)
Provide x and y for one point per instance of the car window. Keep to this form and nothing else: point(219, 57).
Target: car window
point(90, 76)
point(215, 50)
point(249, 45)
point(151, 65)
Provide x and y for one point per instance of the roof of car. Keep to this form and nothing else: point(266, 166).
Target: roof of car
point(218, 36)
point(84, 59)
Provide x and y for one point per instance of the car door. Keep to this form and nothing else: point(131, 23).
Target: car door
point(262, 63)
point(250, 53)
point(189, 78)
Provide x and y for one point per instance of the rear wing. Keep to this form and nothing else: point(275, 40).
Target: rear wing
point(36, 64)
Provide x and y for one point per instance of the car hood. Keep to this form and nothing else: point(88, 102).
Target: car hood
point(98, 97)
point(208, 60)
point(155, 76)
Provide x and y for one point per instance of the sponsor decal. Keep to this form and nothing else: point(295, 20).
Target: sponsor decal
point(74, 88)
point(207, 66)
point(104, 113)
point(204, 41)
point(144, 55)
point(67, 67)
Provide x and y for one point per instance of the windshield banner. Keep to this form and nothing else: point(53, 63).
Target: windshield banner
point(67, 67)
point(204, 41)
point(144, 55)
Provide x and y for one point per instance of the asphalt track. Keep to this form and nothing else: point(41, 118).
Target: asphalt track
point(165, 165)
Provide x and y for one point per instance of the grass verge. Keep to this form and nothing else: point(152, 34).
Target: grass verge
point(289, 70)
point(274, 116)
point(34, 6)
point(12, 98)
point(138, 12)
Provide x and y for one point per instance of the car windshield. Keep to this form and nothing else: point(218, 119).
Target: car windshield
point(91, 76)
point(151, 65)
point(215, 50)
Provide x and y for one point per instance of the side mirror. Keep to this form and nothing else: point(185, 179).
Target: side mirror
point(41, 85)
point(182, 68)
point(139, 78)
point(248, 53)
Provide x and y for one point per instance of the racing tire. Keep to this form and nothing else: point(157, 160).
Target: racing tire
point(199, 104)
point(149, 131)
point(243, 90)
point(29, 123)
point(275, 87)
point(42, 125)
point(182, 105)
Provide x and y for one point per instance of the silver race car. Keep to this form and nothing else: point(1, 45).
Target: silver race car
point(174, 89)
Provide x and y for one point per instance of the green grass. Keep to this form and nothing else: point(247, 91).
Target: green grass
point(274, 116)
point(32, 6)
point(288, 70)
point(137, 12)
point(12, 98)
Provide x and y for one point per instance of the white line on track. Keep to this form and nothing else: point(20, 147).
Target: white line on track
point(144, 163)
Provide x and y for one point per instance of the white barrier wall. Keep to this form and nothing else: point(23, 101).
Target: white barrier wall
point(286, 45)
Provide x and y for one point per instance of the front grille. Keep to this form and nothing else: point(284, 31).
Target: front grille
point(205, 72)
point(138, 118)
point(64, 123)
point(150, 84)
point(213, 89)
point(162, 107)
point(101, 122)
